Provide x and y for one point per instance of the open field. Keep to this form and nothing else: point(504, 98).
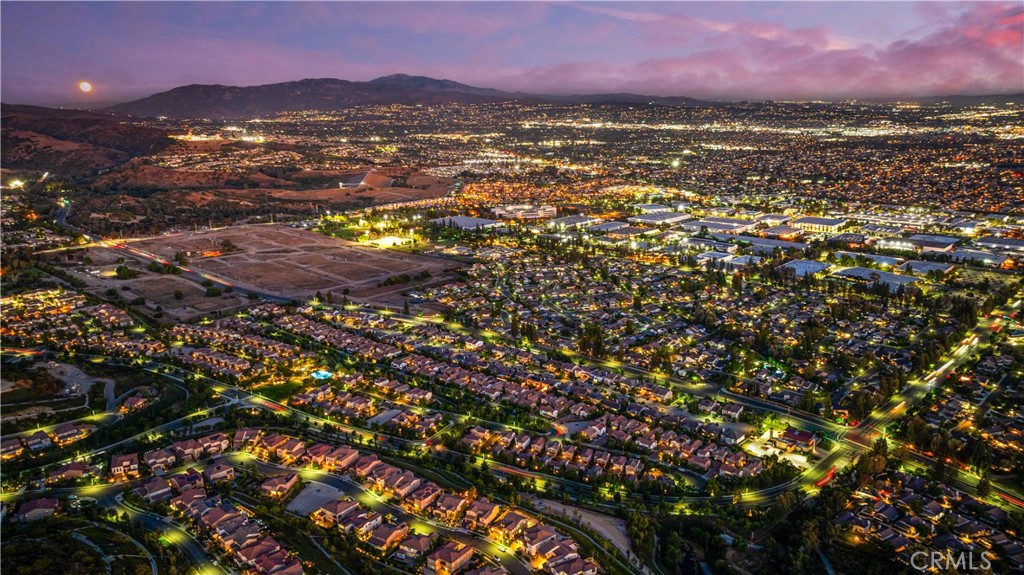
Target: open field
point(611, 528)
point(314, 496)
point(158, 290)
point(297, 263)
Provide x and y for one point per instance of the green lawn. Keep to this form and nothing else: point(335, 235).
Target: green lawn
point(280, 392)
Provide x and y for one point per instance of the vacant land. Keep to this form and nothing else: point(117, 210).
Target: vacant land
point(167, 298)
point(314, 496)
point(297, 263)
point(611, 528)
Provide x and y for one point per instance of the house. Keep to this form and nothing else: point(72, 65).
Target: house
point(416, 545)
point(730, 436)
point(37, 509)
point(575, 566)
point(648, 442)
point(594, 431)
point(279, 485)
point(11, 448)
point(365, 464)
point(425, 496)
point(279, 563)
point(156, 489)
point(159, 460)
point(402, 484)
point(318, 452)
point(448, 507)
point(388, 535)
point(188, 450)
point(341, 458)
point(708, 405)
point(732, 411)
point(125, 466)
point(536, 536)
point(219, 472)
point(249, 554)
point(246, 437)
point(380, 474)
point(449, 558)
point(133, 403)
point(214, 444)
point(271, 443)
point(361, 523)
point(68, 433)
point(291, 450)
point(187, 499)
point(511, 525)
point(38, 440)
point(73, 470)
point(190, 479)
point(481, 513)
point(700, 462)
point(329, 513)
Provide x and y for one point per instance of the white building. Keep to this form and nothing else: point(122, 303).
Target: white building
point(525, 212)
point(816, 224)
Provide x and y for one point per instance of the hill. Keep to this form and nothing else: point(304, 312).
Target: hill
point(74, 142)
point(226, 102)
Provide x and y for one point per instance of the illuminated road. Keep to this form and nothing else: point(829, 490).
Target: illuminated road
point(108, 495)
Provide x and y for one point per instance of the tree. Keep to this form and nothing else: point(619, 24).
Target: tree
point(984, 485)
point(591, 340)
point(713, 487)
point(178, 295)
point(125, 273)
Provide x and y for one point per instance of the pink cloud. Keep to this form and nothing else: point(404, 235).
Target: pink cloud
point(980, 50)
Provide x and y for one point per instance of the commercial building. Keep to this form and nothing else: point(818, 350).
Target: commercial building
point(816, 224)
point(1004, 244)
point(804, 268)
point(525, 212)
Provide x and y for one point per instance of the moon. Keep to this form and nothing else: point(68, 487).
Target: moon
point(85, 86)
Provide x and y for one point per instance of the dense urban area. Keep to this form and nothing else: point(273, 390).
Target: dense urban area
point(515, 338)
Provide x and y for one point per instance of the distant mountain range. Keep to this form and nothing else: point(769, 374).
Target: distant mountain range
point(234, 102)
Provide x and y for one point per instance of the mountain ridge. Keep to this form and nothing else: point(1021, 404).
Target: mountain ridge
point(219, 101)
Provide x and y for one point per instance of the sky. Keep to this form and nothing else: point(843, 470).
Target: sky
point(720, 50)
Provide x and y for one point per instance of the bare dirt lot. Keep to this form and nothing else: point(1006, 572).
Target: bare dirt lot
point(296, 263)
point(313, 497)
point(158, 290)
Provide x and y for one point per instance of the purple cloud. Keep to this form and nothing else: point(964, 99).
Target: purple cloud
point(734, 50)
point(978, 51)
